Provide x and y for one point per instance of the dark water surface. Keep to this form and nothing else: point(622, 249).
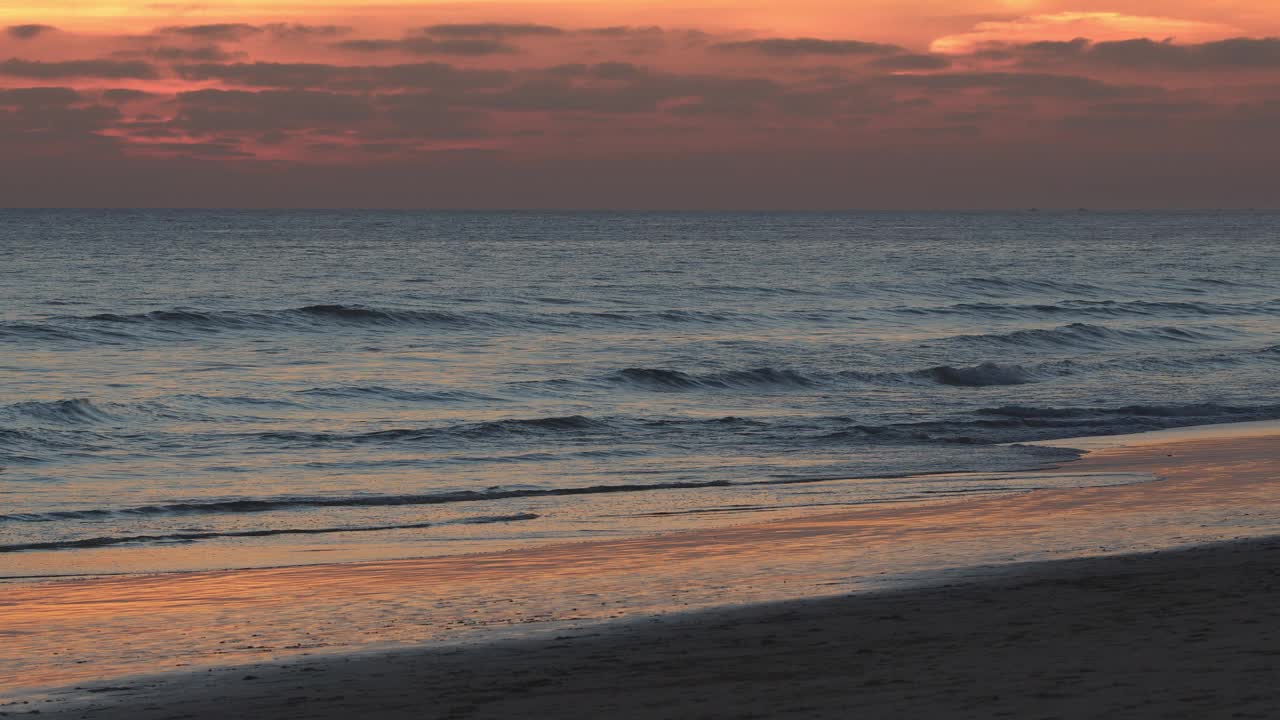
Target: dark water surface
point(264, 385)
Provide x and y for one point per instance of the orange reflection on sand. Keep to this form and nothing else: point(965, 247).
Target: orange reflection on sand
point(76, 631)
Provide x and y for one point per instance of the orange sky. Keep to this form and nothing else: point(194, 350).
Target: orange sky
point(811, 103)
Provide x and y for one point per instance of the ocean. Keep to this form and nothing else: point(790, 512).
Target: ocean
point(186, 390)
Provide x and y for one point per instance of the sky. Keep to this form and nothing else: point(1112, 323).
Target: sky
point(621, 104)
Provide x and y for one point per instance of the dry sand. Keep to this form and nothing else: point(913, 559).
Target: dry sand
point(1180, 634)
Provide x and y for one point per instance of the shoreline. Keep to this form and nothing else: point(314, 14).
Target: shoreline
point(1082, 446)
point(732, 564)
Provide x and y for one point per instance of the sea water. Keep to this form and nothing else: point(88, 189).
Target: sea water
point(208, 389)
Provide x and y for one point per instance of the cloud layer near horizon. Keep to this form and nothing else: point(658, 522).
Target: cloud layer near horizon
point(526, 113)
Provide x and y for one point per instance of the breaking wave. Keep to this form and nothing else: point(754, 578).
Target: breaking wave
point(78, 411)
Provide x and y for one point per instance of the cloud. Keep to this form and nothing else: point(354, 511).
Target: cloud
point(644, 39)
point(436, 76)
point(799, 47)
point(288, 31)
point(1066, 26)
point(233, 92)
point(39, 97)
point(1024, 85)
point(57, 121)
point(111, 69)
point(27, 32)
point(1158, 107)
point(427, 115)
point(194, 149)
point(232, 32)
point(1241, 53)
point(218, 31)
point(170, 53)
point(615, 87)
point(1149, 117)
point(379, 148)
point(492, 30)
point(620, 31)
point(431, 46)
point(1263, 115)
point(220, 111)
point(937, 131)
point(260, 74)
point(1234, 53)
point(275, 114)
point(125, 95)
point(910, 62)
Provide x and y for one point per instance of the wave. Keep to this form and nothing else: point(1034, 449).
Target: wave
point(1014, 287)
point(985, 426)
point(986, 374)
point(1015, 423)
point(381, 392)
point(660, 379)
point(81, 412)
point(1198, 411)
point(1084, 335)
point(261, 505)
point(77, 411)
point(1103, 309)
point(188, 537)
point(570, 424)
point(167, 324)
point(29, 446)
point(981, 375)
point(24, 332)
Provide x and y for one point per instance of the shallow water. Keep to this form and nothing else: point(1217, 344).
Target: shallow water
point(221, 389)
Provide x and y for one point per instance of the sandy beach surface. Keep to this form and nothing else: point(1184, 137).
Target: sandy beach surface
point(1186, 634)
point(1012, 619)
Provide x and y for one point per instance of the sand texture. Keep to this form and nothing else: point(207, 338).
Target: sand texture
point(1185, 634)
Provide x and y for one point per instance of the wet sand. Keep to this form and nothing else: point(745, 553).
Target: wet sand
point(1185, 634)
point(1190, 633)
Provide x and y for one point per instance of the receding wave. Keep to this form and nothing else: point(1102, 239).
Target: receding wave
point(1200, 410)
point(188, 537)
point(1015, 423)
point(260, 505)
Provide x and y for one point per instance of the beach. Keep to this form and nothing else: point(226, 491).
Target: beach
point(1190, 633)
point(1073, 621)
